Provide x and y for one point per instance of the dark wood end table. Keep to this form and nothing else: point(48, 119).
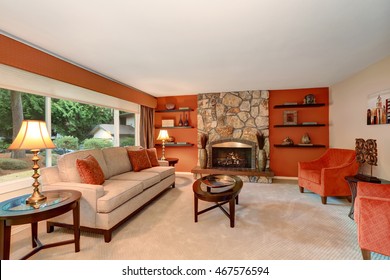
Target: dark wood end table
point(16, 212)
point(230, 196)
point(172, 161)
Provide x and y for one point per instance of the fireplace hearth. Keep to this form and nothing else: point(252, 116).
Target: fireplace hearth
point(233, 153)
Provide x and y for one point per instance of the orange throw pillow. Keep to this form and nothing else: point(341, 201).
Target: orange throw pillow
point(152, 153)
point(139, 159)
point(90, 171)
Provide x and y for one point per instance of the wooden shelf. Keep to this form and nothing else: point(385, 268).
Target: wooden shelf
point(299, 105)
point(174, 110)
point(174, 127)
point(298, 125)
point(299, 146)
point(175, 145)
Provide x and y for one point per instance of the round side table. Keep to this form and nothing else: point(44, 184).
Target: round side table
point(15, 211)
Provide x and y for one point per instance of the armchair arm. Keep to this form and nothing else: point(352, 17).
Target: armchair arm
point(315, 164)
point(373, 221)
point(333, 178)
point(373, 189)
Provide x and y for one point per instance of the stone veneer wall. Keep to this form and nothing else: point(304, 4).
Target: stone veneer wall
point(237, 115)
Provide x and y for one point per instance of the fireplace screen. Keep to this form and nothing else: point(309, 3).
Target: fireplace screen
point(231, 154)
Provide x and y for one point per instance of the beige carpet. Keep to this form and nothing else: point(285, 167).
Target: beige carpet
point(273, 222)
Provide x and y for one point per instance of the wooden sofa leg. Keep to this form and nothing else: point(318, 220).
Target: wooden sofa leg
point(366, 254)
point(173, 185)
point(323, 199)
point(301, 189)
point(107, 236)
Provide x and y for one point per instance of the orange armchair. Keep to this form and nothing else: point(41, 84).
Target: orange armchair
point(372, 216)
point(325, 175)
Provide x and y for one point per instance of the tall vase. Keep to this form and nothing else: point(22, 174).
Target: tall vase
point(203, 158)
point(262, 160)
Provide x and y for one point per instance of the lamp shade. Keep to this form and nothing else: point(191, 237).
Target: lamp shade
point(32, 135)
point(163, 135)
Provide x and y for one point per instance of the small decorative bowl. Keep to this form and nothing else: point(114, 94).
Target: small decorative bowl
point(170, 106)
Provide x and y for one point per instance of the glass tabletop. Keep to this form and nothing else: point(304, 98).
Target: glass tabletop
point(19, 203)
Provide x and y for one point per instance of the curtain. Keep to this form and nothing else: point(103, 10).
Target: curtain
point(147, 127)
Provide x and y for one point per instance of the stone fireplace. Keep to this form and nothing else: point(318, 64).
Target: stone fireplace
point(231, 121)
point(232, 153)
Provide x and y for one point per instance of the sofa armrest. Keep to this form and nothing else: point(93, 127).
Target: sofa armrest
point(88, 202)
point(163, 162)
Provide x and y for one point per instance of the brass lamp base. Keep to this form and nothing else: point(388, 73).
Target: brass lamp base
point(36, 197)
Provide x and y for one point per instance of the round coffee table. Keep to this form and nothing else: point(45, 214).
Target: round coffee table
point(229, 196)
point(15, 211)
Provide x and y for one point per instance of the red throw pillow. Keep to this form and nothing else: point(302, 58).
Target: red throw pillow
point(152, 153)
point(139, 159)
point(90, 171)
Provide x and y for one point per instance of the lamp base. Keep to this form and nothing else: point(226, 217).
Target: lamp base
point(36, 197)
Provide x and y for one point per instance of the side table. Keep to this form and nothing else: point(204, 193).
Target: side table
point(172, 161)
point(352, 183)
point(16, 212)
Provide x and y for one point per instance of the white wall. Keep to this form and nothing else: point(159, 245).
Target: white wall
point(347, 113)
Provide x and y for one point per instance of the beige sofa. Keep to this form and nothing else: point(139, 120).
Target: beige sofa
point(124, 192)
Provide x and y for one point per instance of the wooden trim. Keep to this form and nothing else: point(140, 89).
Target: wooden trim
point(16, 54)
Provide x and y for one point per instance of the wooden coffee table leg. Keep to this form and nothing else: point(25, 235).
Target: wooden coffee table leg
point(232, 210)
point(195, 208)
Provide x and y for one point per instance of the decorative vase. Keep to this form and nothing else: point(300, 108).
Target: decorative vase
point(180, 121)
point(203, 158)
point(262, 160)
point(186, 123)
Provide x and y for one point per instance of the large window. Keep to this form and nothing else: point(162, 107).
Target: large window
point(74, 126)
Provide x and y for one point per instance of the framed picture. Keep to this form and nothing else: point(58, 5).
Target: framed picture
point(378, 108)
point(290, 117)
point(168, 123)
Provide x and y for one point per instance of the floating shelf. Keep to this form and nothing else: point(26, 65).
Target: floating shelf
point(298, 125)
point(175, 145)
point(299, 105)
point(299, 146)
point(168, 127)
point(174, 110)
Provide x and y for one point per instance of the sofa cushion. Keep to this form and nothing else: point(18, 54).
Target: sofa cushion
point(116, 193)
point(90, 171)
point(313, 175)
point(162, 171)
point(67, 164)
point(139, 159)
point(147, 179)
point(152, 153)
point(117, 160)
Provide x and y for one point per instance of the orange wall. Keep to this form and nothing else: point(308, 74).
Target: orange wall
point(19, 55)
point(188, 156)
point(284, 161)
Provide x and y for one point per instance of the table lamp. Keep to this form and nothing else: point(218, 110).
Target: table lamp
point(33, 135)
point(163, 136)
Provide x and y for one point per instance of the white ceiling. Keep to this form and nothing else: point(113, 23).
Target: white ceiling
point(179, 47)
